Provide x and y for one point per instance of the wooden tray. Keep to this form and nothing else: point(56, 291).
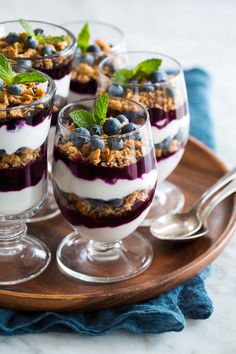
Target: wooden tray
point(173, 264)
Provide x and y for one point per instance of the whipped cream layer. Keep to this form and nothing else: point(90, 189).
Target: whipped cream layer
point(169, 130)
point(63, 85)
point(15, 202)
point(24, 135)
point(98, 188)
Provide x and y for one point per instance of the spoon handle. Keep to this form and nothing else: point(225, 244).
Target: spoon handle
point(224, 193)
point(217, 186)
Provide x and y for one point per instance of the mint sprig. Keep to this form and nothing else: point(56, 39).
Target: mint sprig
point(83, 38)
point(85, 119)
point(27, 27)
point(42, 40)
point(9, 77)
point(141, 71)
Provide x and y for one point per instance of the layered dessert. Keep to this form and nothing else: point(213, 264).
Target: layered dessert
point(95, 42)
point(45, 47)
point(26, 100)
point(160, 90)
point(104, 170)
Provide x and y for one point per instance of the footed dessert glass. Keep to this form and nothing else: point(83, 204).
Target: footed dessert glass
point(164, 95)
point(55, 60)
point(104, 186)
point(23, 183)
point(105, 39)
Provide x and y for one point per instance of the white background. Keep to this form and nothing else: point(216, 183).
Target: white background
point(198, 33)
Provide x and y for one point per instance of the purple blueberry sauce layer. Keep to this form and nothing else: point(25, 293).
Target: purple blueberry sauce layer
point(77, 218)
point(85, 170)
point(88, 88)
point(18, 178)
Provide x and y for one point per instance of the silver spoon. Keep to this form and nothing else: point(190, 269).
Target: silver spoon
point(188, 223)
point(205, 213)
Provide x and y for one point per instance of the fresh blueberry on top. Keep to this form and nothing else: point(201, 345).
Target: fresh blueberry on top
point(111, 126)
point(12, 38)
point(25, 62)
point(87, 59)
point(116, 203)
point(82, 131)
point(171, 91)
point(2, 152)
point(115, 143)
point(122, 118)
point(38, 31)
point(128, 128)
point(46, 50)
point(1, 84)
point(15, 90)
point(116, 90)
point(79, 141)
point(31, 42)
point(94, 48)
point(95, 130)
point(158, 76)
point(149, 86)
point(96, 143)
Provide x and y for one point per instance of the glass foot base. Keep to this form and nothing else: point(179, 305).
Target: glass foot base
point(99, 262)
point(168, 199)
point(22, 260)
point(48, 211)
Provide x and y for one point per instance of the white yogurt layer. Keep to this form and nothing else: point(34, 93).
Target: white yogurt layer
point(112, 234)
point(16, 202)
point(99, 189)
point(26, 135)
point(170, 130)
point(167, 165)
point(63, 86)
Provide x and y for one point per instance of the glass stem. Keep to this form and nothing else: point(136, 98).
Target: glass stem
point(12, 231)
point(103, 251)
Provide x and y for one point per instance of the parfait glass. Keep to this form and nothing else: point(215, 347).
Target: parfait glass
point(56, 65)
point(109, 40)
point(23, 184)
point(165, 97)
point(105, 194)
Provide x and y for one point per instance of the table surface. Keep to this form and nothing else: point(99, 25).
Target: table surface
point(198, 33)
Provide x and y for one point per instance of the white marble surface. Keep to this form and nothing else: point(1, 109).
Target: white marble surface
point(200, 32)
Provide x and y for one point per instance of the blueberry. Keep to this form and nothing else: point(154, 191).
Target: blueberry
point(46, 50)
point(165, 143)
point(116, 90)
point(94, 48)
point(31, 42)
point(82, 131)
point(149, 86)
point(2, 152)
point(171, 91)
point(111, 126)
point(12, 38)
point(128, 128)
point(15, 90)
point(95, 130)
point(132, 116)
point(25, 62)
point(38, 31)
point(133, 81)
point(116, 203)
point(78, 140)
point(87, 59)
point(122, 118)
point(96, 143)
point(158, 76)
point(115, 143)
point(1, 84)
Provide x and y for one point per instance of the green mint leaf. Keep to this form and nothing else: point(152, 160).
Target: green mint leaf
point(6, 72)
point(83, 38)
point(100, 109)
point(82, 118)
point(27, 27)
point(122, 76)
point(56, 39)
point(28, 77)
point(146, 68)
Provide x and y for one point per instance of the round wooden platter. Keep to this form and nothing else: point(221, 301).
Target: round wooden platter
point(173, 264)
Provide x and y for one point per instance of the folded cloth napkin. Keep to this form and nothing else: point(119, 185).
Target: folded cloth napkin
point(164, 313)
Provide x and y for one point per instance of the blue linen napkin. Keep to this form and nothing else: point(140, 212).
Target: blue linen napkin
point(165, 313)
